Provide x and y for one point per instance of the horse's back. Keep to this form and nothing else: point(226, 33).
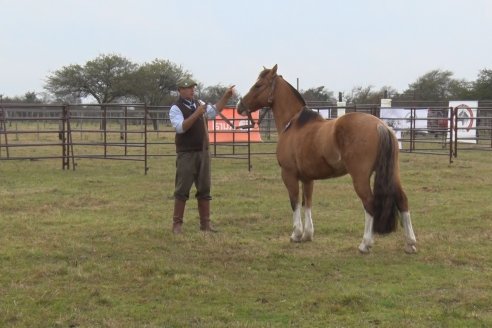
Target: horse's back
point(358, 120)
point(326, 149)
point(355, 129)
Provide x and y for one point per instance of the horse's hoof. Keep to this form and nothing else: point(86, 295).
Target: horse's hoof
point(364, 249)
point(295, 239)
point(307, 238)
point(410, 249)
point(296, 236)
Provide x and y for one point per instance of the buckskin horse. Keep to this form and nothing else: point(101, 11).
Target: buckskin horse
point(311, 148)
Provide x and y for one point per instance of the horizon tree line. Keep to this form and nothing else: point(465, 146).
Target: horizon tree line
point(112, 78)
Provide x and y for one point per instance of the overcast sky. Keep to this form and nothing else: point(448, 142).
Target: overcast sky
point(338, 44)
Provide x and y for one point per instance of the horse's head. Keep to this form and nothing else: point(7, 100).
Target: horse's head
point(261, 93)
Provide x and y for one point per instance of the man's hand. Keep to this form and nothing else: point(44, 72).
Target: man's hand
point(225, 98)
point(202, 109)
point(229, 92)
point(199, 112)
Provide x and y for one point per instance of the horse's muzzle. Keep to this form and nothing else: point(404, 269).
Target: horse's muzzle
point(241, 108)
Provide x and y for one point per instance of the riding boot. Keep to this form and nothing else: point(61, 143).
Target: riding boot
point(179, 207)
point(204, 211)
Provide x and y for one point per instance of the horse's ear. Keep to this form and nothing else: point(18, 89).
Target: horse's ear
point(274, 69)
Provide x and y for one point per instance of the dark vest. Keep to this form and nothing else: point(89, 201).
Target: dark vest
point(195, 138)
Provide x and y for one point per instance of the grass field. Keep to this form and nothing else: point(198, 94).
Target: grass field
point(93, 248)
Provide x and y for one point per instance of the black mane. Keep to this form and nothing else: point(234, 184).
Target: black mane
point(307, 115)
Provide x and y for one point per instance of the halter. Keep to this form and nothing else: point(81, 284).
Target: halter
point(296, 116)
point(270, 102)
point(250, 118)
point(274, 83)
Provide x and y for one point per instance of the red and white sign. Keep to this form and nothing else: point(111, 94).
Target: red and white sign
point(222, 131)
point(466, 120)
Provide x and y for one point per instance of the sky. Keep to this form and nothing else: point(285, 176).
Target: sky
point(338, 44)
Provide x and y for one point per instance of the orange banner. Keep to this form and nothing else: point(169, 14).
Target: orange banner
point(222, 131)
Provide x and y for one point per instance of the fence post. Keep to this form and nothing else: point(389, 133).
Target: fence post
point(455, 126)
point(214, 122)
point(65, 158)
point(125, 127)
point(146, 112)
point(341, 105)
point(105, 136)
point(3, 130)
point(451, 137)
point(249, 147)
point(413, 124)
point(69, 136)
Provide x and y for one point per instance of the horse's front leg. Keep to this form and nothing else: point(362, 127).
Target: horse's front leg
point(292, 185)
point(307, 193)
point(297, 233)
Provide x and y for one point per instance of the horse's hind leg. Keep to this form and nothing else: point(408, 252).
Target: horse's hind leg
point(410, 239)
point(362, 187)
point(367, 239)
point(292, 185)
point(307, 192)
point(406, 222)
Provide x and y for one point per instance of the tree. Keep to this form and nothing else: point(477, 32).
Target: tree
point(212, 94)
point(366, 95)
point(361, 95)
point(482, 87)
point(437, 85)
point(155, 82)
point(317, 94)
point(106, 78)
point(66, 82)
point(30, 97)
point(460, 90)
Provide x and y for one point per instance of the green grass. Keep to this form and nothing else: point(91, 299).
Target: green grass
point(93, 248)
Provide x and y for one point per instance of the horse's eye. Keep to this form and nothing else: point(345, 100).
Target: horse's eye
point(257, 85)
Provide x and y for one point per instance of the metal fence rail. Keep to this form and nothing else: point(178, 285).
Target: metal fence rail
point(136, 132)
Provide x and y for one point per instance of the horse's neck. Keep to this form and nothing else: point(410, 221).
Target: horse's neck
point(285, 106)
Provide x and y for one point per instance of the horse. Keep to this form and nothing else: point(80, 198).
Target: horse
point(311, 148)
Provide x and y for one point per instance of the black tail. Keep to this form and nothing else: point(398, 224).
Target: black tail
point(384, 205)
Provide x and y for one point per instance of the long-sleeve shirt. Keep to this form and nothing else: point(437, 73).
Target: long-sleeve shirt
point(176, 116)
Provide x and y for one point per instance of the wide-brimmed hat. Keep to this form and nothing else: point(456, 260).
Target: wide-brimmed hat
point(186, 83)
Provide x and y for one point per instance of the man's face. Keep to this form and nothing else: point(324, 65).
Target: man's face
point(187, 93)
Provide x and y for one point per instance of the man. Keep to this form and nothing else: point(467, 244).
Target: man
point(188, 117)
